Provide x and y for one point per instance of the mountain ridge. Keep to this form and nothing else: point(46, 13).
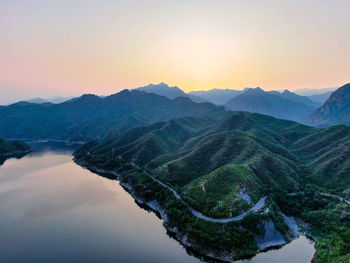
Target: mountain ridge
point(336, 110)
point(270, 103)
point(215, 164)
point(91, 116)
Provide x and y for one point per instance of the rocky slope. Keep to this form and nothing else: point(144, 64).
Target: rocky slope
point(336, 110)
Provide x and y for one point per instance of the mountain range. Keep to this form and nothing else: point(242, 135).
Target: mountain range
point(163, 89)
point(223, 180)
point(217, 96)
point(55, 100)
point(90, 116)
point(94, 117)
point(221, 167)
point(311, 92)
point(286, 105)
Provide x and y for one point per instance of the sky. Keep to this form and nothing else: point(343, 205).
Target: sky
point(71, 47)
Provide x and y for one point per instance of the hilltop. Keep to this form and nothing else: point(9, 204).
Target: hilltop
point(93, 117)
point(163, 89)
point(222, 167)
point(284, 105)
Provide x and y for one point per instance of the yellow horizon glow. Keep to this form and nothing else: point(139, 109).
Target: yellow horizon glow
point(69, 48)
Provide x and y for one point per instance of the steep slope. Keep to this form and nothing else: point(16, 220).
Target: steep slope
point(222, 167)
point(179, 151)
point(327, 154)
point(163, 89)
point(257, 100)
point(90, 116)
point(336, 110)
point(217, 96)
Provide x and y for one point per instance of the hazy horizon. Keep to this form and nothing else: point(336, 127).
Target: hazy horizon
point(68, 48)
point(5, 101)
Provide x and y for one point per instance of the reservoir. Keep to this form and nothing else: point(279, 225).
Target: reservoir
point(52, 210)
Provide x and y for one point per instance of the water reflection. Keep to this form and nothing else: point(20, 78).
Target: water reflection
point(52, 210)
point(299, 250)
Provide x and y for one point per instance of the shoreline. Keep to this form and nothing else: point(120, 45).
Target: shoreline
point(41, 140)
point(159, 211)
point(154, 206)
point(18, 155)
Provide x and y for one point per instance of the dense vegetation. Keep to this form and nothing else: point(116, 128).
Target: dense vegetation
point(212, 162)
point(93, 117)
point(204, 194)
point(12, 149)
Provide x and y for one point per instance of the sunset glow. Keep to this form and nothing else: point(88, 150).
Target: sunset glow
point(68, 48)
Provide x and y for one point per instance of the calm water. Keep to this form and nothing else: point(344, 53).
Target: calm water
point(52, 210)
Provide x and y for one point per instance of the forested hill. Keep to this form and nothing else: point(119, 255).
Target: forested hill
point(220, 166)
point(12, 149)
point(90, 116)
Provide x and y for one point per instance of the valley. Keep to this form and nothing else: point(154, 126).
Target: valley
point(175, 131)
point(227, 184)
point(194, 173)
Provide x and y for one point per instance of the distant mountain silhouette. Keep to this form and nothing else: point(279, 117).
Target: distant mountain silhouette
point(320, 98)
point(217, 96)
point(286, 94)
point(284, 105)
point(336, 110)
point(171, 92)
point(54, 100)
point(310, 92)
point(93, 117)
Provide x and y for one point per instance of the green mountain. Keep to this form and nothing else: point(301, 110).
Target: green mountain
point(92, 117)
point(12, 149)
point(220, 168)
point(336, 110)
point(284, 105)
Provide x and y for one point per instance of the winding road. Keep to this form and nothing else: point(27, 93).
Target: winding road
point(341, 199)
point(256, 208)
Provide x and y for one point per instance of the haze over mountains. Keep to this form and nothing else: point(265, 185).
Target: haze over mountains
point(221, 161)
point(223, 96)
point(311, 92)
point(284, 105)
point(91, 116)
point(54, 100)
point(170, 92)
point(336, 110)
point(217, 96)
